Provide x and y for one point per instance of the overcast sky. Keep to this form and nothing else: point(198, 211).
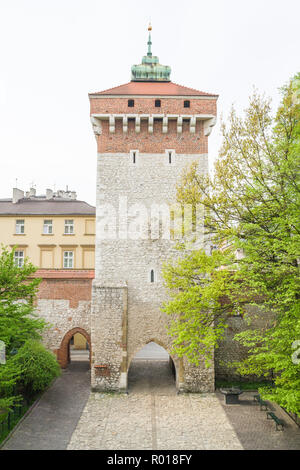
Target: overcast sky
point(54, 52)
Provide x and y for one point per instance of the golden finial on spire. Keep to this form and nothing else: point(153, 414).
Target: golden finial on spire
point(149, 27)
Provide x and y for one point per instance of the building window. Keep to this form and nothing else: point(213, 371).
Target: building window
point(157, 103)
point(19, 258)
point(133, 157)
point(170, 157)
point(152, 275)
point(47, 229)
point(69, 227)
point(130, 103)
point(68, 259)
point(20, 226)
point(186, 104)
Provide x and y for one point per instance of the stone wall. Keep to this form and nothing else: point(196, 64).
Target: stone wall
point(230, 350)
point(128, 262)
point(64, 301)
point(109, 337)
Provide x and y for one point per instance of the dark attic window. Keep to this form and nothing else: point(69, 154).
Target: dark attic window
point(186, 104)
point(157, 103)
point(130, 103)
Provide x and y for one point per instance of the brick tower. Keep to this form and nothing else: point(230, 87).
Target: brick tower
point(147, 132)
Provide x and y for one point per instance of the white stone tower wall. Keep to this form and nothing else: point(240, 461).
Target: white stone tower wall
point(126, 262)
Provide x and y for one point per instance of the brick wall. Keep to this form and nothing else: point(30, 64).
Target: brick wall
point(64, 301)
point(184, 143)
point(144, 105)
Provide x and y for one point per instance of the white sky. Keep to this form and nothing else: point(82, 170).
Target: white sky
point(53, 53)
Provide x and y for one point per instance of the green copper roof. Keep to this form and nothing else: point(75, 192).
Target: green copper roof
point(150, 70)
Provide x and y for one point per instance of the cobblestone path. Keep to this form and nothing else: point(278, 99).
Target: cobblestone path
point(52, 421)
point(152, 416)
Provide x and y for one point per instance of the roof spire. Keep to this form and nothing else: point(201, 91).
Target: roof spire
point(150, 70)
point(149, 53)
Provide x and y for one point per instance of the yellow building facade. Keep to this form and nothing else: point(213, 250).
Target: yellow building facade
point(55, 231)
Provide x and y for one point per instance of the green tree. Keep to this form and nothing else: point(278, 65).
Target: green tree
point(18, 323)
point(18, 289)
point(198, 287)
point(251, 204)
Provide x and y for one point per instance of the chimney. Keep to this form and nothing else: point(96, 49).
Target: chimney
point(17, 195)
point(73, 195)
point(32, 192)
point(49, 193)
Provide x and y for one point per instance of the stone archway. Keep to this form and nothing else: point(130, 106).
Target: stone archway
point(151, 366)
point(138, 348)
point(63, 354)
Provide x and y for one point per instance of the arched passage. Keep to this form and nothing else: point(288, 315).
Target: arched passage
point(63, 354)
point(152, 369)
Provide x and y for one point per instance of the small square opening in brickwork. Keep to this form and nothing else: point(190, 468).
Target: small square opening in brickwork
point(102, 370)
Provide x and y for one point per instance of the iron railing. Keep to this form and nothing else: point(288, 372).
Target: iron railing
point(10, 419)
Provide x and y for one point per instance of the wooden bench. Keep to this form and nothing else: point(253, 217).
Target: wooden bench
point(279, 422)
point(262, 403)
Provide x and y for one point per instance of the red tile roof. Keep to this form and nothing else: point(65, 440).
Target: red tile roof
point(152, 88)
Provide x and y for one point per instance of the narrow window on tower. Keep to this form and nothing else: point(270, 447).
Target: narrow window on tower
point(133, 157)
point(130, 103)
point(152, 275)
point(170, 157)
point(157, 103)
point(186, 104)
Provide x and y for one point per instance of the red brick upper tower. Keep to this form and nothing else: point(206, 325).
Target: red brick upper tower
point(152, 113)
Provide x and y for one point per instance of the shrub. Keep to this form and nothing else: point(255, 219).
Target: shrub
point(38, 368)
